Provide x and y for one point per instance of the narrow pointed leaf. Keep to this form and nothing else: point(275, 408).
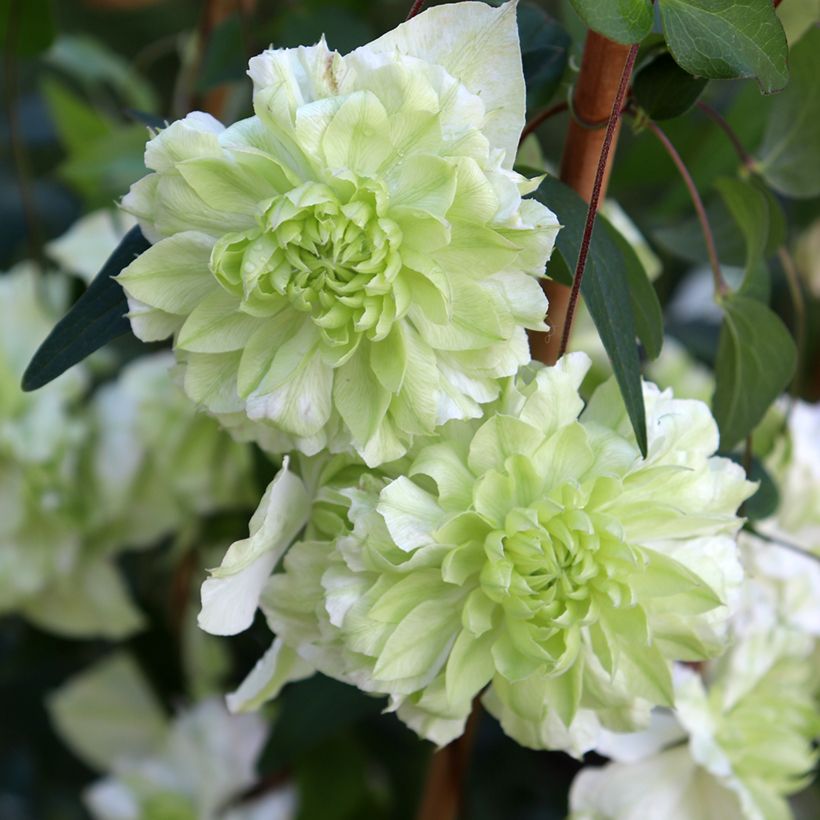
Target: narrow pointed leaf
point(94, 319)
point(642, 294)
point(605, 288)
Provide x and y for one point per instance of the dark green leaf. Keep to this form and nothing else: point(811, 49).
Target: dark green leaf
point(96, 67)
point(544, 53)
point(103, 169)
point(685, 239)
point(664, 90)
point(225, 59)
point(756, 359)
point(749, 206)
point(26, 26)
point(790, 153)
point(311, 712)
point(625, 21)
point(642, 295)
point(766, 498)
point(94, 319)
point(76, 121)
point(723, 39)
point(606, 292)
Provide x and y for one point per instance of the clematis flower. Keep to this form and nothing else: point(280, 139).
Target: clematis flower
point(154, 462)
point(194, 767)
point(534, 554)
point(80, 482)
point(40, 435)
point(354, 264)
point(736, 746)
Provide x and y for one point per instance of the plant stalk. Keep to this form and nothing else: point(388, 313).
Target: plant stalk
point(609, 134)
point(417, 7)
point(443, 796)
point(721, 287)
point(602, 65)
point(541, 118)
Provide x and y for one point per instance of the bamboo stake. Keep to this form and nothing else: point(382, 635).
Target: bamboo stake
point(602, 64)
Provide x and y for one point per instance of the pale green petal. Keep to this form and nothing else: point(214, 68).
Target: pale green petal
point(91, 602)
point(357, 137)
point(215, 325)
point(195, 135)
point(420, 643)
point(410, 513)
point(669, 786)
point(230, 597)
point(278, 666)
point(465, 40)
point(151, 324)
point(108, 713)
point(172, 275)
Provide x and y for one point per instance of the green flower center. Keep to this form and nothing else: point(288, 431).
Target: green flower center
point(553, 562)
point(335, 258)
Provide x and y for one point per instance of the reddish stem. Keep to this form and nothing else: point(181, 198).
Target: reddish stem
point(443, 796)
point(745, 157)
point(541, 118)
point(417, 6)
point(611, 125)
point(720, 283)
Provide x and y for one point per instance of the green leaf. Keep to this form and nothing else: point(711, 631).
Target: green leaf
point(685, 239)
point(625, 21)
point(101, 169)
point(724, 39)
point(642, 295)
point(749, 206)
point(94, 319)
point(663, 89)
point(311, 712)
point(77, 122)
point(766, 498)
point(756, 359)
point(544, 53)
point(98, 70)
point(225, 60)
point(790, 153)
point(606, 292)
point(109, 711)
point(26, 26)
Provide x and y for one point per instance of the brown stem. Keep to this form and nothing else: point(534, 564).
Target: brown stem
point(417, 6)
point(597, 185)
point(602, 65)
point(541, 118)
point(34, 235)
point(786, 261)
point(720, 283)
point(745, 157)
point(443, 796)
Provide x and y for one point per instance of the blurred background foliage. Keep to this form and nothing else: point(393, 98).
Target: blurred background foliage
point(82, 79)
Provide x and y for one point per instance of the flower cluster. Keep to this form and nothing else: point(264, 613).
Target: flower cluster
point(84, 479)
point(354, 265)
point(534, 552)
point(749, 729)
point(194, 767)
